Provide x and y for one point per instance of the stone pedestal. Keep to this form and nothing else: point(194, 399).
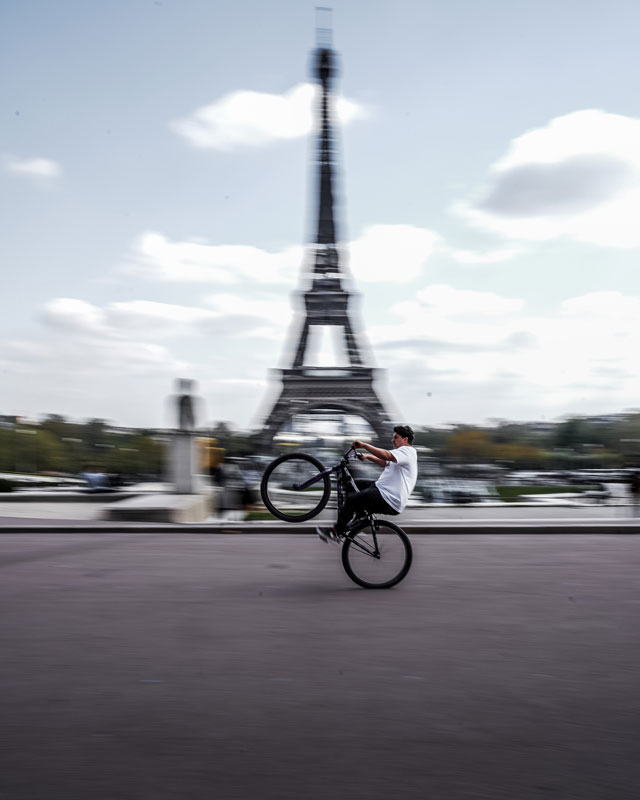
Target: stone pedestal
point(160, 508)
point(183, 465)
point(191, 499)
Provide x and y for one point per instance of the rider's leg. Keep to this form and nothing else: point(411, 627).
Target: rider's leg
point(350, 504)
point(369, 499)
point(360, 486)
point(354, 502)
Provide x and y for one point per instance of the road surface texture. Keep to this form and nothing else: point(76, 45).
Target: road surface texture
point(188, 666)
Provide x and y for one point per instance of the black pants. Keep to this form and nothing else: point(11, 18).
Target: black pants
point(367, 499)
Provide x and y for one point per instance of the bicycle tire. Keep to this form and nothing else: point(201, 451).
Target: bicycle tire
point(278, 492)
point(369, 571)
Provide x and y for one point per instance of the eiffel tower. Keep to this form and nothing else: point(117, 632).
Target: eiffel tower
point(307, 389)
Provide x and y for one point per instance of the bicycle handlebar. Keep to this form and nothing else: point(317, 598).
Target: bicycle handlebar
point(347, 456)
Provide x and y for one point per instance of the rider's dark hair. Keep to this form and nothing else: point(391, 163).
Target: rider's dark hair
point(405, 431)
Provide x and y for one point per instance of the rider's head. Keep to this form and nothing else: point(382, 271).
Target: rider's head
point(402, 432)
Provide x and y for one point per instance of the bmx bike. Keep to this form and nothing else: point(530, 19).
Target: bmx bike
point(376, 554)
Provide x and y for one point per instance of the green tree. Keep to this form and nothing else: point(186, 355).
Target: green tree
point(519, 455)
point(94, 432)
point(7, 450)
point(571, 434)
point(51, 456)
point(434, 438)
point(469, 445)
point(151, 454)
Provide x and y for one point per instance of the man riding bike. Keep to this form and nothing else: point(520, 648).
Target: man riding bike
point(387, 495)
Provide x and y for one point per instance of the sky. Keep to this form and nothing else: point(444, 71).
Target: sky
point(157, 197)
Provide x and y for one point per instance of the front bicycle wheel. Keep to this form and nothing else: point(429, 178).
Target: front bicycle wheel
point(377, 556)
point(293, 487)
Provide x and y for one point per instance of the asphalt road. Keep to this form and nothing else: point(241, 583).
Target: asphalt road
point(186, 666)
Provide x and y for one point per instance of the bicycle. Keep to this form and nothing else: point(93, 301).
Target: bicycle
point(376, 554)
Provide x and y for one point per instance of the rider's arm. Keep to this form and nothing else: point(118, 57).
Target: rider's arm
point(378, 452)
point(379, 461)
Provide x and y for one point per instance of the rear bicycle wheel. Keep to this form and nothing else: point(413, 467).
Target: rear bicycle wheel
point(377, 556)
point(293, 487)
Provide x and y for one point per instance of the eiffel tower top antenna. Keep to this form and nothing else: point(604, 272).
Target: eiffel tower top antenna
point(324, 70)
point(324, 31)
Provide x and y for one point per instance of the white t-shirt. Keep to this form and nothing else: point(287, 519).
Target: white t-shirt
point(399, 477)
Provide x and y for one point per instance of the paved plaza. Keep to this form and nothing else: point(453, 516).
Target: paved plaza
point(190, 666)
point(15, 511)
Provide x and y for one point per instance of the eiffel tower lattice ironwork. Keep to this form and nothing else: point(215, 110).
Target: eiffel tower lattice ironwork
point(308, 389)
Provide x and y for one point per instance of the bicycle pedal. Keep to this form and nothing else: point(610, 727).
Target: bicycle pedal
point(328, 535)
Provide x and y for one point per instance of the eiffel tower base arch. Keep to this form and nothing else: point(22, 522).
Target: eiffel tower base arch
point(309, 389)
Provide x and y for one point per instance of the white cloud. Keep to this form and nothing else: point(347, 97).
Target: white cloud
point(251, 119)
point(228, 315)
point(73, 314)
point(34, 168)
point(67, 354)
point(496, 256)
point(271, 315)
point(145, 314)
point(603, 305)
point(587, 348)
point(19, 354)
point(153, 256)
point(382, 253)
point(119, 360)
point(447, 301)
point(577, 177)
point(394, 253)
point(443, 320)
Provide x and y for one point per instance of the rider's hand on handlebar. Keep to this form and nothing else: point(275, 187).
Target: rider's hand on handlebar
point(354, 445)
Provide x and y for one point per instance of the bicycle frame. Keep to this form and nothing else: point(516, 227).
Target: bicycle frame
point(345, 479)
point(340, 467)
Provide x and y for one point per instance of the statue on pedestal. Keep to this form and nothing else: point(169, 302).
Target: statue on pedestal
point(186, 413)
point(183, 451)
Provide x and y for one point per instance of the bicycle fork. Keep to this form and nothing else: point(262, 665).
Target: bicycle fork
point(364, 546)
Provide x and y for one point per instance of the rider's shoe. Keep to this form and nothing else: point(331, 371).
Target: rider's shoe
point(328, 534)
point(355, 522)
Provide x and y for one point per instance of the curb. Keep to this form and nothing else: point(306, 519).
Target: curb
point(508, 527)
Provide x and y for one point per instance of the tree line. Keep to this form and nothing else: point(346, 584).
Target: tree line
point(577, 442)
point(56, 444)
